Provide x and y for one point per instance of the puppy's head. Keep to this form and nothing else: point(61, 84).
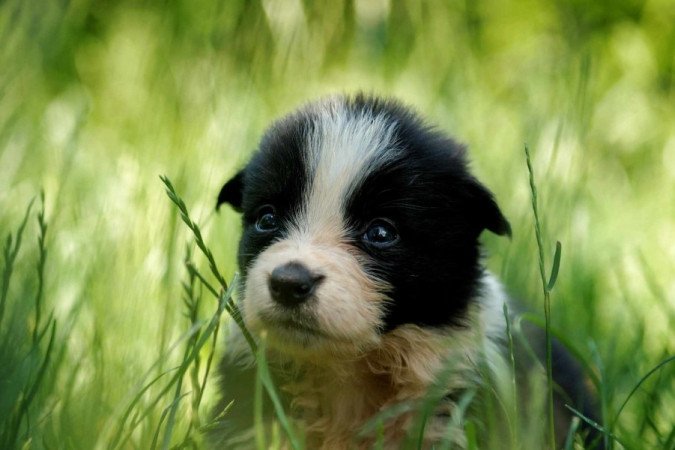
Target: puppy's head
point(357, 218)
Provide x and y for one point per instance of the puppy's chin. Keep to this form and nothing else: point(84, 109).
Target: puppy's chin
point(298, 335)
point(302, 344)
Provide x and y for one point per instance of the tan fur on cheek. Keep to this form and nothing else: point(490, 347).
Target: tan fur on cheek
point(347, 306)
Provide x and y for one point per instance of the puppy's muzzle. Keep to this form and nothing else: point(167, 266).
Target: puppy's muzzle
point(291, 284)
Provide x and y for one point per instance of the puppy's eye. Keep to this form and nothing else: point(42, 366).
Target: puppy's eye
point(381, 233)
point(267, 220)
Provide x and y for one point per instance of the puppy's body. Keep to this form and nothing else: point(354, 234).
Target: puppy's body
point(361, 262)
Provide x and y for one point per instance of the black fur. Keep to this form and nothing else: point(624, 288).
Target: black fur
point(440, 211)
point(276, 175)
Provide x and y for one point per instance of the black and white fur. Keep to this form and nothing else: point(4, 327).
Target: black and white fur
point(361, 263)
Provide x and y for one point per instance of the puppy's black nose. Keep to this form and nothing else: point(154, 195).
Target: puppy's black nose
point(292, 283)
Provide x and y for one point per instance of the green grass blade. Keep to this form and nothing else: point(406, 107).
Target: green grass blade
point(384, 416)
point(637, 386)
point(597, 426)
point(42, 258)
point(423, 425)
point(163, 416)
point(566, 342)
point(175, 198)
point(206, 334)
point(455, 421)
point(556, 266)
point(191, 301)
point(379, 436)
point(10, 253)
point(266, 379)
point(143, 388)
point(670, 440)
point(117, 438)
point(571, 432)
point(258, 420)
point(231, 307)
point(537, 221)
point(43, 367)
point(547, 298)
point(172, 409)
point(471, 438)
point(30, 391)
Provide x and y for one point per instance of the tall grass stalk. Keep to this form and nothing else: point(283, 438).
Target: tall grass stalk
point(258, 419)
point(181, 370)
point(17, 425)
point(233, 310)
point(571, 433)
point(42, 258)
point(267, 382)
point(230, 307)
point(637, 386)
point(11, 250)
point(547, 287)
point(603, 389)
point(597, 426)
point(191, 300)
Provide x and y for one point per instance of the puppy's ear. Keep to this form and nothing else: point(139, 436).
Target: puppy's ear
point(232, 192)
point(484, 209)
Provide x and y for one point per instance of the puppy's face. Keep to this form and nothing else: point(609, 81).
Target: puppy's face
point(357, 218)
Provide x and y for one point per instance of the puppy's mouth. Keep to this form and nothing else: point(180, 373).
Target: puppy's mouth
point(295, 327)
point(292, 325)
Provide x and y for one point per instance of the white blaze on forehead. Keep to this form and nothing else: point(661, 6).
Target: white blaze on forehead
point(343, 147)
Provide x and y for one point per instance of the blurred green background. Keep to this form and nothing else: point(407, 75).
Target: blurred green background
point(98, 98)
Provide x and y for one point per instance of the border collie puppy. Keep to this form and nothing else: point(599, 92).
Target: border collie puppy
point(360, 261)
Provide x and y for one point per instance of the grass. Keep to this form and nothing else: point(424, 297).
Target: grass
point(547, 298)
point(113, 296)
